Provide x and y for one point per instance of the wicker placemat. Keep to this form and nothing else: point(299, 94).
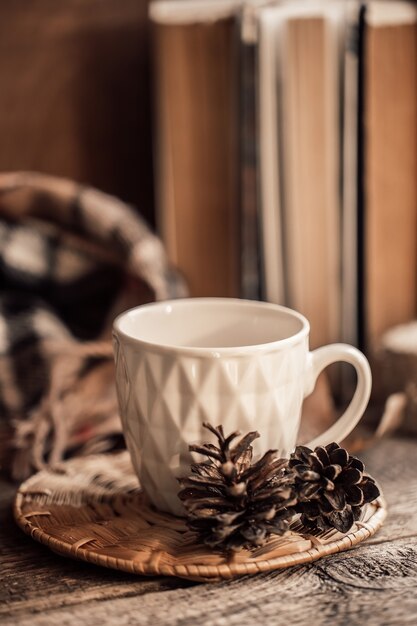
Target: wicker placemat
point(93, 509)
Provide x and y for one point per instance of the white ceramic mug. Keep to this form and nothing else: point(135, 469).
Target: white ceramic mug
point(239, 363)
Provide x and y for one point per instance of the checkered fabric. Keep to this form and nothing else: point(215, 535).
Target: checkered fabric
point(71, 259)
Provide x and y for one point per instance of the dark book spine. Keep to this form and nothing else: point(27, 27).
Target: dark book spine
point(250, 231)
point(361, 180)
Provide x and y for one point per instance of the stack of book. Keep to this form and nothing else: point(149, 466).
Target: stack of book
point(286, 156)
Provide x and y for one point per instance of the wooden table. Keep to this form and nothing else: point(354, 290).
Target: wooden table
point(373, 584)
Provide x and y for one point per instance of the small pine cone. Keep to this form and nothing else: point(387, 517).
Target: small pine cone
point(331, 487)
point(232, 503)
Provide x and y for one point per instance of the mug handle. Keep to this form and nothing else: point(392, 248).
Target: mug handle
point(321, 358)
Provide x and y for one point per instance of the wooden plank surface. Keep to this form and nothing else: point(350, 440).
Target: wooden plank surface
point(374, 583)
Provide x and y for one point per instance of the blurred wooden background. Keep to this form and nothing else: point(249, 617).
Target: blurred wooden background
point(74, 96)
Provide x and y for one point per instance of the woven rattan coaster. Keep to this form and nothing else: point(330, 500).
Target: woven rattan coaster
point(93, 509)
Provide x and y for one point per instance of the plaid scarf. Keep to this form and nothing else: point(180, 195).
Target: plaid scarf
point(71, 259)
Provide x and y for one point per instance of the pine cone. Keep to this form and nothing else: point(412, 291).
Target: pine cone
point(232, 503)
point(331, 487)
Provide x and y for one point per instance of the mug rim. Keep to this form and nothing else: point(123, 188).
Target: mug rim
point(220, 351)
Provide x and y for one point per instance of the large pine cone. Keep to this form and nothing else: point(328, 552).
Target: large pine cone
point(331, 487)
point(231, 503)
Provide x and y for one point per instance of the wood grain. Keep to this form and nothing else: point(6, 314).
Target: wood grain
point(33, 579)
point(374, 583)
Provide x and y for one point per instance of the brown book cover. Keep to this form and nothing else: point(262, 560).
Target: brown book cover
point(390, 144)
point(74, 97)
point(195, 69)
point(311, 168)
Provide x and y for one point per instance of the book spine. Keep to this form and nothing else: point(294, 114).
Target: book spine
point(250, 244)
point(349, 321)
point(361, 180)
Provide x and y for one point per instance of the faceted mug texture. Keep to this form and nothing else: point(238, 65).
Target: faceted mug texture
point(165, 396)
